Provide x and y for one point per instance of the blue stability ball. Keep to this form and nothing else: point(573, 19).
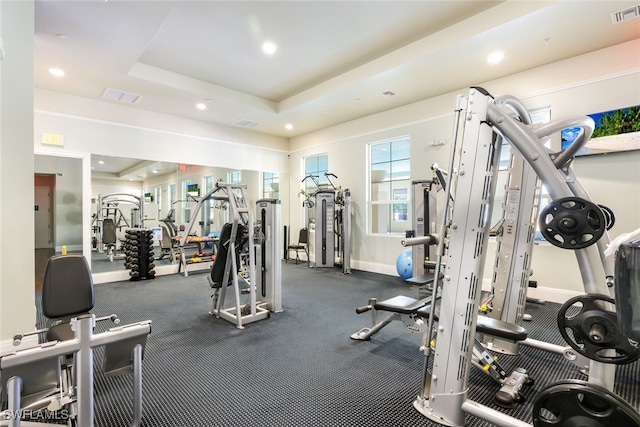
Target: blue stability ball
point(404, 264)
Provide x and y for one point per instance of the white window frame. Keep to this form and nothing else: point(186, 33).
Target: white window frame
point(267, 190)
point(309, 214)
point(390, 202)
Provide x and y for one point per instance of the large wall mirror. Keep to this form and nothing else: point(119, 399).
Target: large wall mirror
point(61, 181)
point(162, 196)
point(130, 193)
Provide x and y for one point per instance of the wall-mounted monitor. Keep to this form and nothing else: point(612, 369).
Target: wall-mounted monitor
point(615, 131)
point(193, 190)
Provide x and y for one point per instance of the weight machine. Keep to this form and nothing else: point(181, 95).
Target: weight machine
point(240, 244)
point(571, 221)
point(330, 240)
point(186, 240)
point(109, 219)
point(53, 381)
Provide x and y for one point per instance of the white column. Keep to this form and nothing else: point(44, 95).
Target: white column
point(17, 307)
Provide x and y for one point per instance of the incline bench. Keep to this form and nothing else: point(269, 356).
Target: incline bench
point(413, 313)
point(401, 306)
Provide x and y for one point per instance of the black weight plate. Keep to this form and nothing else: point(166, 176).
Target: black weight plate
point(572, 223)
point(610, 217)
point(595, 332)
point(578, 403)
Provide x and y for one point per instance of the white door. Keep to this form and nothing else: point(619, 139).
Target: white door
point(43, 221)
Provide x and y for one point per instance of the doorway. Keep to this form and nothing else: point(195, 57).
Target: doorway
point(44, 186)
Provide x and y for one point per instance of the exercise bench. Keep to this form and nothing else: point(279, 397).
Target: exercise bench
point(414, 314)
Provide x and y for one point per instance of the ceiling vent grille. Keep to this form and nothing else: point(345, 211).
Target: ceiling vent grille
point(625, 15)
point(118, 95)
point(246, 123)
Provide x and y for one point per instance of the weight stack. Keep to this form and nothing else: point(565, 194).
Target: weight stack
point(139, 257)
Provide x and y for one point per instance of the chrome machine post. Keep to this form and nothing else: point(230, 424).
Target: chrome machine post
point(324, 244)
point(345, 240)
point(268, 265)
point(442, 399)
point(514, 240)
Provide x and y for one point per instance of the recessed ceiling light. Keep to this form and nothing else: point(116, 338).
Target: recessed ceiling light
point(101, 162)
point(288, 126)
point(495, 57)
point(56, 72)
point(269, 48)
point(201, 106)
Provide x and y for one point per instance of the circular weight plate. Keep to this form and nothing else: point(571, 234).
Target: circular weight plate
point(609, 216)
point(594, 332)
point(572, 223)
point(577, 403)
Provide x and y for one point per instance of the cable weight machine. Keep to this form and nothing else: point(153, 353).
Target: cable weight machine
point(330, 240)
point(465, 231)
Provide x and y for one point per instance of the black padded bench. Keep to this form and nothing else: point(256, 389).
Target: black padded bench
point(485, 325)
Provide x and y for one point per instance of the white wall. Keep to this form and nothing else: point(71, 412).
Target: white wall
point(17, 306)
point(591, 83)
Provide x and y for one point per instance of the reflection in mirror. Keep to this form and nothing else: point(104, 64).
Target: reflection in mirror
point(58, 225)
point(58, 205)
point(162, 197)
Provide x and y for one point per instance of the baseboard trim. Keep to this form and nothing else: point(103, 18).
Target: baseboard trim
point(559, 296)
point(389, 270)
point(70, 248)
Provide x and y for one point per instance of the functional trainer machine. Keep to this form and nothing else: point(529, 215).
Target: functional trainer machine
point(330, 241)
point(109, 218)
point(571, 221)
point(53, 382)
point(235, 264)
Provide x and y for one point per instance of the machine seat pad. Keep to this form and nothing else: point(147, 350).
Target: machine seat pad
point(60, 332)
point(500, 329)
point(423, 279)
point(400, 304)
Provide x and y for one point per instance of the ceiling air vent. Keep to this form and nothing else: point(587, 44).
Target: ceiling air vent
point(245, 123)
point(388, 93)
point(626, 14)
point(118, 95)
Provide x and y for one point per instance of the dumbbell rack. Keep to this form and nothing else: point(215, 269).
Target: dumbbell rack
point(139, 255)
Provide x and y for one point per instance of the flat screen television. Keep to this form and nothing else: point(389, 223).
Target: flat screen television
point(193, 190)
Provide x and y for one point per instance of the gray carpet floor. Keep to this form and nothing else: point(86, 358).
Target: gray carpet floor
point(299, 367)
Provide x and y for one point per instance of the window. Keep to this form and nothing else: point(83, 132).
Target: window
point(208, 183)
point(158, 199)
point(390, 183)
point(270, 185)
point(172, 196)
point(315, 166)
point(186, 210)
point(234, 177)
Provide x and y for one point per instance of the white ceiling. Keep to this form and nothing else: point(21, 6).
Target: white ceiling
point(334, 58)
